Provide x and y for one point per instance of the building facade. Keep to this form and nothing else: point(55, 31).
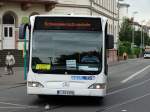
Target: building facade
point(15, 12)
point(123, 10)
point(107, 8)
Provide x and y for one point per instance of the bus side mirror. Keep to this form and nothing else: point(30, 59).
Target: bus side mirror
point(110, 41)
point(22, 30)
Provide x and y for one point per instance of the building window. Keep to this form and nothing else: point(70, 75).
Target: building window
point(6, 32)
point(111, 5)
point(8, 23)
point(8, 19)
point(111, 29)
point(10, 32)
point(101, 2)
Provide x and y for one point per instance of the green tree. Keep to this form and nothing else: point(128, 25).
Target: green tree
point(124, 46)
point(146, 39)
point(138, 38)
point(125, 33)
point(125, 39)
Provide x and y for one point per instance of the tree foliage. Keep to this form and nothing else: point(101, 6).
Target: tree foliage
point(138, 38)
point(124, 46)
point(125, 33)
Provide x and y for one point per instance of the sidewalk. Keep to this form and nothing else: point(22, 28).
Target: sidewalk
point(15, 79)
point(123, 61)
point(118, 62)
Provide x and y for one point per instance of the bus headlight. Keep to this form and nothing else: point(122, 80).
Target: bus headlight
point(97, 86)
point(35, 84)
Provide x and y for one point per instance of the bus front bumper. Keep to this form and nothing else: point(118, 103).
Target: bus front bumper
point(66, 92)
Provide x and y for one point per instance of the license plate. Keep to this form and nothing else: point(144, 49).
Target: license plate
point(64, 92)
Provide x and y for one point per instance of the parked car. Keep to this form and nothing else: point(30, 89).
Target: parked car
point(147, 54)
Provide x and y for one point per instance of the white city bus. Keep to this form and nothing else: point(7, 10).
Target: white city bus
point(67, 55)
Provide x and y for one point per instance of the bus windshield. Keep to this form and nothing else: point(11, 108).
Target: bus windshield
point(59, 52)
point(147, 52)
point(67, 46)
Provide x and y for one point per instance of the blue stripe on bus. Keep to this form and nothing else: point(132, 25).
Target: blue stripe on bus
point(83, 77)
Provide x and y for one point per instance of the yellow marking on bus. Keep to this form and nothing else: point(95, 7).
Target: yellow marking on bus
point(43, 67)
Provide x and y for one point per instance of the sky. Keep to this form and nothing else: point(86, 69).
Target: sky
point(142, 7)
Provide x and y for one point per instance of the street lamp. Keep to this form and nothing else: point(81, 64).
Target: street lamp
point(144, 31)
point(142, 34)
point(135, 12)
point(118, 6)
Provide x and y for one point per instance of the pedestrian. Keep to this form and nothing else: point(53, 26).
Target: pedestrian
point(125, 56)
point(10, 61)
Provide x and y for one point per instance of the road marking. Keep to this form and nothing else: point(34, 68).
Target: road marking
point(13, 107)
point(124, 103)
point(135, 74)
point(123, 89)
point(8, 98)
point(13, 104)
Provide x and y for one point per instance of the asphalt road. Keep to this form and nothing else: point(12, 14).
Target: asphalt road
point(128, 91)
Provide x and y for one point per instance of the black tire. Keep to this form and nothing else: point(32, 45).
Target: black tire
point(99, 100)
point(42, 96)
